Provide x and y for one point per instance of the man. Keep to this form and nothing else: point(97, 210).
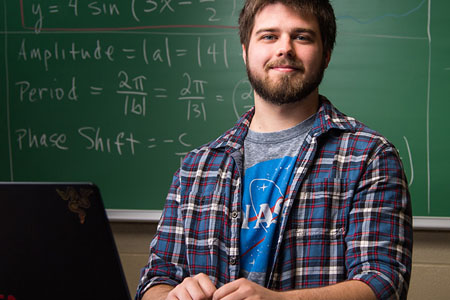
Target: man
point(297, 201)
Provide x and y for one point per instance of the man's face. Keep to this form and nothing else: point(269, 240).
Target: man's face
point(284, 59)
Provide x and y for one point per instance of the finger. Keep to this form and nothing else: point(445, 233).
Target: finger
point(194, 289)
point(226, 290)
point(183, 291)
point(206, 285)
point(182, 294)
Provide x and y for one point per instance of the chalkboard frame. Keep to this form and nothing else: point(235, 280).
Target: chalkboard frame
point(153, 216)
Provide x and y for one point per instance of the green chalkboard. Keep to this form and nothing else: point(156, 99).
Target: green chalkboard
point(116, 92)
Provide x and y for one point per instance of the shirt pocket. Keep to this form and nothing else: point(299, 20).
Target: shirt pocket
point(318, 223)
point(205, 215)
point(321, 207)
point(203, 232)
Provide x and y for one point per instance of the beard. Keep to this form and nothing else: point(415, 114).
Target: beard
point(290, 87)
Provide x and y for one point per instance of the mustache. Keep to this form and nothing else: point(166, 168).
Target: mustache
point(285, 62)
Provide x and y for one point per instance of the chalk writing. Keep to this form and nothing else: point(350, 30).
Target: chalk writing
point(97, 51)
point(29, 93)
point(242, 97)
point(411, 164)
point(160, 52)
point(136, 92)
point(153, 142)
point(109, 9)
point(94, 139)
point(97, 142)
point(37, 11)
point(139, 11)
point(26, 138)
point(117, 81)
point(135, 96)
point(194, 91)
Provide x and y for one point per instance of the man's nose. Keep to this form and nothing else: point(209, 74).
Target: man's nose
point(285, 47)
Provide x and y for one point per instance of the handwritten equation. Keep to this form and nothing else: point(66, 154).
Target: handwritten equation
point(94, 139)
point(140, 85)
point(101, 62)
point(158, 52)
point(117, 15)
point(133, 92)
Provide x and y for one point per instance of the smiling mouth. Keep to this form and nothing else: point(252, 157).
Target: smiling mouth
point(285, 66)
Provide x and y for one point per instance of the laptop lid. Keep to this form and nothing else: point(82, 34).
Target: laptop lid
point(56, 243)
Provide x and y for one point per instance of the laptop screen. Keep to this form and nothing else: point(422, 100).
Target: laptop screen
point(56, 243)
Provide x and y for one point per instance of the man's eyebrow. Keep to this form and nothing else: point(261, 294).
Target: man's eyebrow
point(263, 30)
point(296, 30)
point(305, 30)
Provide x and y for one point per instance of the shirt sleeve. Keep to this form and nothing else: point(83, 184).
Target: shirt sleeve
point(167, 259)
point(379, 237)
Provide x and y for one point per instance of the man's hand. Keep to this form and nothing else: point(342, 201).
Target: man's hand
point(243, 289)
point(199, 287)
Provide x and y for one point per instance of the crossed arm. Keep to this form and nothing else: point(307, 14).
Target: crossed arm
point(200, 287)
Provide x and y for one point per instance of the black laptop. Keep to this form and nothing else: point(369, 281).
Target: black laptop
point(56, 243)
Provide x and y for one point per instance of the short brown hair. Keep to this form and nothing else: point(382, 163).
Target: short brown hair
point(321, 9)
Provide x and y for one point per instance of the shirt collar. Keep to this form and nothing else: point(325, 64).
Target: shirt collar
point(233, 139)
point(327, 118)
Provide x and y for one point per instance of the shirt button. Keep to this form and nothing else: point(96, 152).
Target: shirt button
point(233, 261)
point(234, 214)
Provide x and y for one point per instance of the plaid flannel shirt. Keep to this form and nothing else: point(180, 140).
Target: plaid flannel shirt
point(346, 215)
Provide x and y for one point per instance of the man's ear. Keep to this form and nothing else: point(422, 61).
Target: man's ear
point(244, 54)
point(327, 59)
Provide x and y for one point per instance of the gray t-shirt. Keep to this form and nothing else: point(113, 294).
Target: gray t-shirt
point(260, 147)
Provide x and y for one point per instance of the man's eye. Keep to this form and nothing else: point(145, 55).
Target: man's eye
point(305, 38)
point(268, 37)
